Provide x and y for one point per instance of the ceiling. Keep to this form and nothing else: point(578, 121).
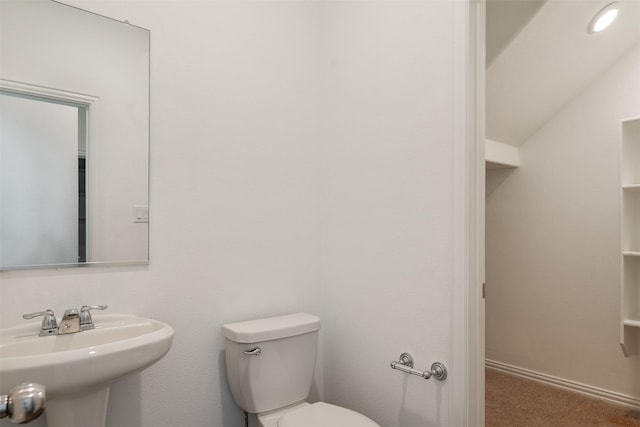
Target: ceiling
point(540, 56)
point(505, 19)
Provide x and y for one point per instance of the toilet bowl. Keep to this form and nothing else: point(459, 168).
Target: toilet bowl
point(317, 414)
point(270, 364)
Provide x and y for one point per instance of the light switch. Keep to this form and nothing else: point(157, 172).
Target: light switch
point(140, 213)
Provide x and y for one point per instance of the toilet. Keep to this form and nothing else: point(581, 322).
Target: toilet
point(270, 364)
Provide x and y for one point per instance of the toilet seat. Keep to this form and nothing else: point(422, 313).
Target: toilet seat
point(322, 414)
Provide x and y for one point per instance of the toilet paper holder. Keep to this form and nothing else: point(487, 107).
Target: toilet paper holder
point(405, 364)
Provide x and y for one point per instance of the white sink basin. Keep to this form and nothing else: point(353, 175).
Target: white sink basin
point(76, 366)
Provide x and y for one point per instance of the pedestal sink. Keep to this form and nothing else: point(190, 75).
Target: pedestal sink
point(77, 369)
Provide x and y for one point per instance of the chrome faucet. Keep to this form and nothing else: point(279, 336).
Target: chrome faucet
point(72, 321)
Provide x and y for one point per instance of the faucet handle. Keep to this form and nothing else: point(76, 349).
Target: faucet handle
point(86, 322)
point(49, 324)
point(86, 308)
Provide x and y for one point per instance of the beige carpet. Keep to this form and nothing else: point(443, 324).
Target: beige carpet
point(516, 402)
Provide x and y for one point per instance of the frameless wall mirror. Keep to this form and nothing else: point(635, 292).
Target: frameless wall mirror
point(74, 137)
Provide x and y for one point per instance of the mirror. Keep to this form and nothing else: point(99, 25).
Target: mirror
point(74, 124)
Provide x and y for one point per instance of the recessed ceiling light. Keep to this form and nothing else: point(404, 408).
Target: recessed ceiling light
point(603, 18)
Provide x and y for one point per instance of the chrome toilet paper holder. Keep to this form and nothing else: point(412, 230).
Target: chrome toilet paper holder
point(405, 364)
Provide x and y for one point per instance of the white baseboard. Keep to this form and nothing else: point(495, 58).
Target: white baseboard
point(584, 389)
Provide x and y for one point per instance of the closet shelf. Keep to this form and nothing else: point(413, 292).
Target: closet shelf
point(630, 221)
point(632, 322)
point(500, 156)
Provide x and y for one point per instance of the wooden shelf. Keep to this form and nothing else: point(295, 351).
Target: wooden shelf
point(631, 253)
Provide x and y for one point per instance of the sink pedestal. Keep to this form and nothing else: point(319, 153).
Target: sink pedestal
point(88, 409)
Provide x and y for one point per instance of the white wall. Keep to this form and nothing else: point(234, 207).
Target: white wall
point(553, 242)
point(387, 239)
point(301, 159)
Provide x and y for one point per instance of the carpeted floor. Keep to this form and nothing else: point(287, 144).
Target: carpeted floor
point(516, 402)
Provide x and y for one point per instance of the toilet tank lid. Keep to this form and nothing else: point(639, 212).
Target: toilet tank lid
point(271, 328)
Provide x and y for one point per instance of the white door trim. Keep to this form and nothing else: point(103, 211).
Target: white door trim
point(56, 95)
point(467, 364)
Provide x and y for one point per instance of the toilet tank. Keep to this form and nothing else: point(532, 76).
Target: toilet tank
point(270, 362)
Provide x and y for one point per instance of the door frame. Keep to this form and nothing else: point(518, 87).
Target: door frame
point(468, 352)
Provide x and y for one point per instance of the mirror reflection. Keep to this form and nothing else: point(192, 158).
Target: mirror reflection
point(44, 210)
point(74, 133)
